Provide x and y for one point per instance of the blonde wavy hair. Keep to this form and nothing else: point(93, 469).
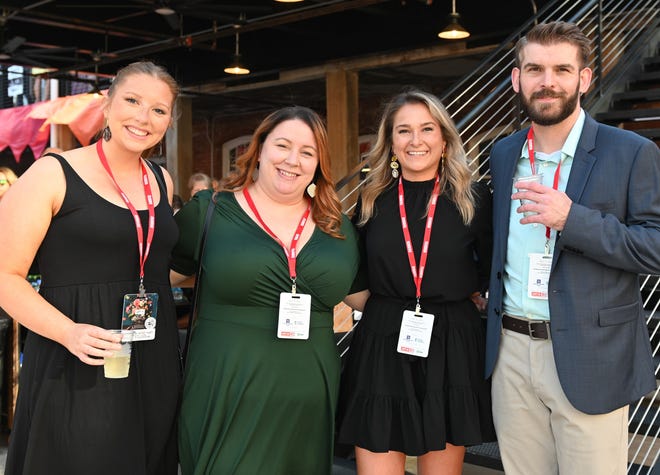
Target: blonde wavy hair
point(455, 180)
point(326, 208)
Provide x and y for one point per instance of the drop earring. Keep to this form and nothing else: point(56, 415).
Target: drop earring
point(394, 165)
point(107, 134)
point(443, 157)
point(311, 190)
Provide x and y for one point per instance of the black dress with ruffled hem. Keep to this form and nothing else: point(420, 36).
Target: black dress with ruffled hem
point(391, 401)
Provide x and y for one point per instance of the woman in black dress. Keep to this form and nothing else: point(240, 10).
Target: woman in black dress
point(68, 210)
point(414, 378)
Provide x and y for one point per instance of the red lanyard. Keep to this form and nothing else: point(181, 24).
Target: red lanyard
point(418, 276)
point(291, 252)
point(143, 250)
point(555, 181)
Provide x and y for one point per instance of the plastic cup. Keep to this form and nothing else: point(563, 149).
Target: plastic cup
point(537, 178)
point(117, 365)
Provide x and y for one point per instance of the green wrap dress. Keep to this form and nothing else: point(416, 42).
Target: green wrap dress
point(253, 403)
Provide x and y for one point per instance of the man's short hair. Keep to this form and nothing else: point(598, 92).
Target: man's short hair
point(199, 178)
point(556, 32)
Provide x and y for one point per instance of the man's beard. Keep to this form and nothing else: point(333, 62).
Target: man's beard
point(542, 114)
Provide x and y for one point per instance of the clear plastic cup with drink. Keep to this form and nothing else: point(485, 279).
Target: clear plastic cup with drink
point(535, 178)
point(118, 365)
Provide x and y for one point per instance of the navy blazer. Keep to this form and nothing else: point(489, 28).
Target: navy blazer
point(612, 234)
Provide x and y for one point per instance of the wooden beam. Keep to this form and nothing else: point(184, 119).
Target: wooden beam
point(342, 118)
point(161, 44)
point(178, 146)
point(62, 137)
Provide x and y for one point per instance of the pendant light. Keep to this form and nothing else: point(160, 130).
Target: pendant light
point(453, 31)
point(162, 8)
point(236, 66)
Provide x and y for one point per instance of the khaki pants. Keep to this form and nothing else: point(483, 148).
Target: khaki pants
point(539, 432)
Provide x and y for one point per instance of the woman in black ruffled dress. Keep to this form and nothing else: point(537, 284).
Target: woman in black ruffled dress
point(414, 378)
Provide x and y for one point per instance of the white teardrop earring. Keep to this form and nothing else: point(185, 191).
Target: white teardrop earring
point(311, 190)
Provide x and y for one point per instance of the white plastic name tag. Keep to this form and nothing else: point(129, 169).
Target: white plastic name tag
point(415, 333)
point(538, 276)
point(293, 321)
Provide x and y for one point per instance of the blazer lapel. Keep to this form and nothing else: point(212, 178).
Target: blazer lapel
point(503, 186)
point(583, 163)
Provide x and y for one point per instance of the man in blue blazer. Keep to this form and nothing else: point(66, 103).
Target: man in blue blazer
point(567, 343)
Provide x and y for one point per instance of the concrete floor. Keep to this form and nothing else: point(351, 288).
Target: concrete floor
point(343, 467)
point(411, 467)
point(468, 469)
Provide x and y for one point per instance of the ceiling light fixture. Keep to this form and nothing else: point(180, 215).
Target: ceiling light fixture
point(164, 9)
point(236, 66)
point(289, 1)
point(453, 31)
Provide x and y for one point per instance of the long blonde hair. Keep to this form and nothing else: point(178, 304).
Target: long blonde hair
point(326, 208)
point(456, 178)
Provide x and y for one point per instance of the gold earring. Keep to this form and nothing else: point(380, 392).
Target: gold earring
point(311, 190)
point(394, 165)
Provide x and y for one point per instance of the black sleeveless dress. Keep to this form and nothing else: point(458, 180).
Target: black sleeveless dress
point(69, 418)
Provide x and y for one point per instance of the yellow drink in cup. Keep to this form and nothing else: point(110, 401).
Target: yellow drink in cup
point(118, 365)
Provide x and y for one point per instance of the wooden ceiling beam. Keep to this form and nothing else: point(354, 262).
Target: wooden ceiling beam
point(190, 40)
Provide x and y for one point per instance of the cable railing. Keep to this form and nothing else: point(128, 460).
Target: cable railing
point(485, 108)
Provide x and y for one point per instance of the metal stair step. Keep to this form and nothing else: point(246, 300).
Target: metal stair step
point(628, 114)
point(642, 94)
point(642, 452)
point(647, 76)
point(652, 61)
point(484, 455)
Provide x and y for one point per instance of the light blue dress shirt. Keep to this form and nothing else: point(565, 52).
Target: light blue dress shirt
point(526, 239)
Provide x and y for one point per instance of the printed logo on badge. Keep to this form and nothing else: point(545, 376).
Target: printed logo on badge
point(139, 314)
point(294, 316)
point(415, 333)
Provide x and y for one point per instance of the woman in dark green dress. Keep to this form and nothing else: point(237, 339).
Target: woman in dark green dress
point(262, 370)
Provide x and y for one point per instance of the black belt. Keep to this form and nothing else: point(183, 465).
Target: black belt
point(535, 329)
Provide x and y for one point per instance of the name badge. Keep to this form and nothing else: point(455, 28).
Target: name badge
point(538, 276)
point(139, 314)
point(415, 333)
point(294, 316)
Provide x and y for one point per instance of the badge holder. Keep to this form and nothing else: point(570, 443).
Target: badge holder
point(538, 275)
point(415, 333)
point(139, 312)
point(294, 315)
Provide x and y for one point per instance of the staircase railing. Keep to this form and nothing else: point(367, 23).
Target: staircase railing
point(485, 109)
